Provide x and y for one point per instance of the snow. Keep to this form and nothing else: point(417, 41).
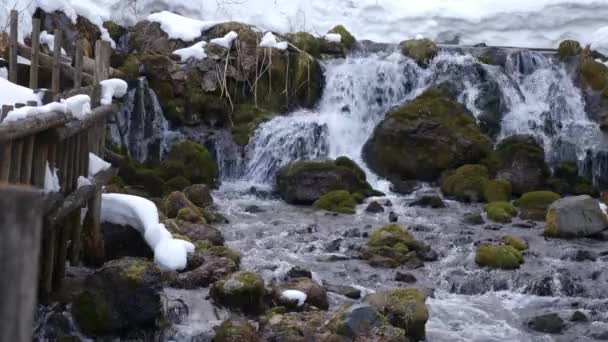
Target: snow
point(78, 105)
point(599, 40)
point(51, 181)
point(97, 165)
point(4, 73)
point(112, 88)
point(83, 181)
point(142, 214)
point(270, 41)
point(333, 37)
point(12, 93)
point(180, 27)
point(294, 295)
point(225, 41)
point(23, 60)
point(196, 51)
point(49, 40)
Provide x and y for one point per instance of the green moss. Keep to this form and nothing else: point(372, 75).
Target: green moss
point(192, 161)
point(130, 67)
point(235, 331)
point(567, 171)
point(569, 48)
point(467, 183)
point(180, 237)
point(534, 204)
point(487, 59)
point(306, 42)
point(92, 312)
point(241, 290)
point(137, 270)
point(348, 40)
point(147, 177)
point(191, 214)
point(114, 30)
point(497, 190)
point(339, 201)
point(501, 212)
point(405, 308)
point(551, 228)
point(178, 183)
point(515, 242)
point(205, 247)
point(594, 74)
point(422, 51)
point(175, 202)
point(350, 164)
point(392, 242)
point(498, 256)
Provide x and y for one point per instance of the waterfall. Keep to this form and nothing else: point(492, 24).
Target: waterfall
point(141, 126)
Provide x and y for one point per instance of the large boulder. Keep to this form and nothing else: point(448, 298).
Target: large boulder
point(467, 183)
point(403, 308)
point(533, 205)
point(124, 241)
point(425, 137)
point(242, 290)
point(501, 256)
point(123, 294)
point(573, 217)
point(304, 182)
point(356, 320)
point(192, 161)
point(392, 246)
point(422, 51)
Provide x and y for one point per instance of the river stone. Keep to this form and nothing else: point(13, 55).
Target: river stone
point(346, 291)
point(571, 217)
point(212, 269)
point(404, 308)
point(123, 294)
point(195, 231)
point(474, 219)
point(374, 208)
point(432, 200)
point(316, 295)
point(356, 320)
point(124, 241)
point(199, 194)
point(549, 323)
point(241, 290)
point(235, 331)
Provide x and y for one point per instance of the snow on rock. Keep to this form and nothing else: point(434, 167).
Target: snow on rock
point(112, 88)
point(24, 112)
point(97, 165)
point(293, 296)
point(142, 214)
point(180, 27)
point(83, 181)
point(11, 93)
point(23, 61)
point(270, 41)
point(78, 105)
point(196, 51)
point(225, 41)
point(419, 37)
point(333, 37)
point(49, 40)
point(51, 181)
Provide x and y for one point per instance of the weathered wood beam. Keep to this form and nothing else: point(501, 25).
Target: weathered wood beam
point(12, 58)
point(31, 125)
point(46, 61)
point(35, 56)
point(75, 126)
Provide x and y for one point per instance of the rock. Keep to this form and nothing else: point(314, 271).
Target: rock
point(467, 183)
point(177, 201)
point(199, 194)
point(422, 51)
point(474, 219)
point(403, 308)
point(569, 48)
point(254, 209)
point(534, 205)
point(432, 200)
point(405, 277)
point(235, 331)
point(122, 294)
point(212, 269)
point(549, 324)
point(501, 212)
point(497, 190)
point(293, 326)
point(338, 201)
point(207, 250)
point(572, 217)
point(241, 290)
point(515, 242)
point(192, 161)
point(344, 290)
point(333, 246)
point(520, 160)
point(392, 246)
point(347, 40)
point(304, 182)
point(404, 187)
point(356, 320)
point(498, 256)
point(580, 256)
point(195, 231)
point(393, 217)
point(374, 208)
point(423, 138)
point(316, 295)
point(124, 241)
point(578, 316)
point(298, 272)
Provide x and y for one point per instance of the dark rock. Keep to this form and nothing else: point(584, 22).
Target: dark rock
point(124, 241)
point(254, 209)
point(474, 219)
point(405, 277)
point(243, 291)
point(525, 225)
point(333, 246)
point(549, 323)
point(346, 291)
point(388, 203)
point(357, 320)
point(374, 208)
point(212, 270)
point(316, 295)
point(403, 308)
point(428, 200)
point(578, 316)
point(404, 187)
point(493, 227)
point(580, 256)
point(354, 232)
point(199, 194)
point(428, 254)
point(393, 217)
point(235, 331)
point(195, 231)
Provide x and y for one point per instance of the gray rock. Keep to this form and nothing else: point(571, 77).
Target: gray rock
point(549, 323)
point(404, 187)
point(474, 219)
point(374, 208)
point(393, 217)
point(405, 277)
point(346, 291)
point(578, 316)
point(431, 200)
point(359, 319)
point(578, 216)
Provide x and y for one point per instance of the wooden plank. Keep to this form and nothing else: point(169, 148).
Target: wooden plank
point(39, 160)
point(12, 57)
point(16, 157)
point(61, 250)
point(6, 148)
point(27, 159)
point(56, 76)
point(94, 251)
point(75, 126)
point(63, 155)
point(35, 57)
point(46, 61)
point(31, 125)
point(78, 55)
point(20, 228)
point(102, 61)
point(48, 259)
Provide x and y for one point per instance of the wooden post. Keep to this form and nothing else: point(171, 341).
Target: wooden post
point(26, 161)
point(78, 55)
point(20, 228)
point(16, 157)
point(13, 36)
point(35, 53)
point(102, 60)
point(39, 160)
point(94, 251)
point(6, 149)
point(48, 259)
point(56, 76)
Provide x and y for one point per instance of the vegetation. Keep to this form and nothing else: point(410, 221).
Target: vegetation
point(339, 201)
point(501, 212)
point(498, 256)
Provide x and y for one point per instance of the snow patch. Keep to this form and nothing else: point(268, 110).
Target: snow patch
point(270, 41)
point(4, 73)
point(49, 40)
point(112, 88)
point(225, 41)
point(293, 296)
point(196, 51)
point(83, 181)
point(97, 165)
point(51, 181)
point(180, 27)
point(12, 93)
point(78, 105)
point(333, 37)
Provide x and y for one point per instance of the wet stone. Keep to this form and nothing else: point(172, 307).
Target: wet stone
point(578, 316)
point(333, 246)
point(405, 277)
point(549, 323)
point(393, 217)
point(580, 256)
point(254, 209)
point(346, 291)
point(474, 219)
point(493, 227)
point(298, 272)
point(374, 208)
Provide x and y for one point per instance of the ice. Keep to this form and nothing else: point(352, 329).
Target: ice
point(196, 51)
point(333, 37)
point(180, 27)
point(112, 88)
point(51, 181)
point(12, 93)
point(97, 165)
point(294, 295)
point(270, 41)
point(225, 41)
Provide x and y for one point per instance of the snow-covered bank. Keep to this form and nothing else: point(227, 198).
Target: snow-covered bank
point(540, 23)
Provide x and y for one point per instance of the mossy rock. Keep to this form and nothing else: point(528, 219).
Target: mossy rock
point(404, 308)
point(199, 194)
point(501, 212)
point(306, 42)
point(498, 256)
point(191, 214)
point(566, 181)
point(515, 242)
point(94, 314)
point(594, 74)
point(422, 51)
point(235, 331)
point(147, 177)
point(497, 190)
point(206, 247)
point(348, 41)
point(393, 244)
point(192, 161)
point(467, 183)
point(569, 48)
point(339, 201)
point(425, 137)
point(175, 202)
point(178, 183)
point(534, 205)
point(241, 290)
point(487, 59)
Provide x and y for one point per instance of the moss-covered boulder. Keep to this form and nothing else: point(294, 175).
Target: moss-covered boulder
point(569, 48)
point(195, 231)
point(520, 159)
point(177, 202)
point(573, 217)
point(339, 201)
point(207, 247)
point(278, 325)
point(242, 290)
point(304, 182)
point(392, 246)
point(202, 270)
point(515, 242)
point(467, 183)
point(498, 256)
point(534, 205)
point(422, 51)
point(192, 161)
point(199, 194)
point(404, 308)
point(501, 212)
point(566, 181)
point(123, 294)
point(235, 331)
point(348, 41)
point(594, 74)
point(423, 138)
point(497, 190)
point(356, 320)
point(316, 295)
point(306, 42)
